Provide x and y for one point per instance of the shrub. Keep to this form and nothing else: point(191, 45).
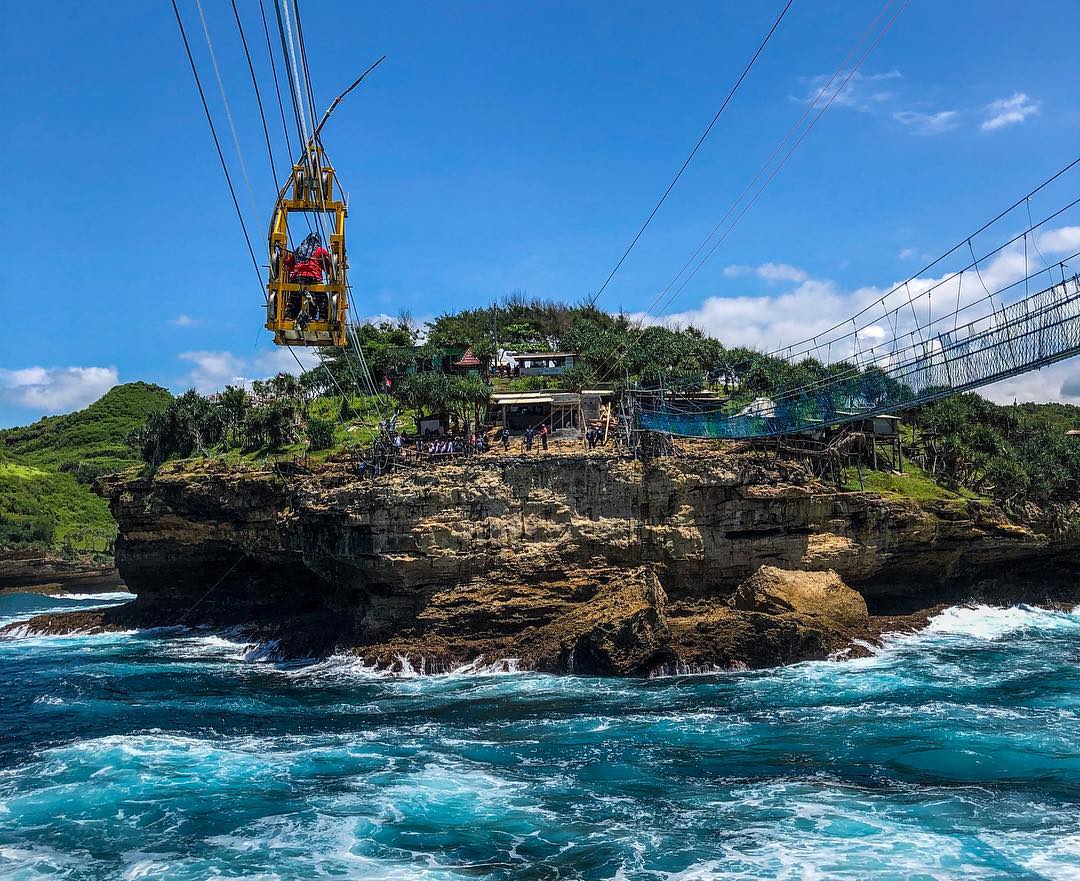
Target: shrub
point(320, 433)
point(43, 529)
point(272, 425)
point(85, 472)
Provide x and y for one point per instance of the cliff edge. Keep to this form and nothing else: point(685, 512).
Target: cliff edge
point(586, 562)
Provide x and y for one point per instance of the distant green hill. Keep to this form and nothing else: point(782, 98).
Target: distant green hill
point(46, 470)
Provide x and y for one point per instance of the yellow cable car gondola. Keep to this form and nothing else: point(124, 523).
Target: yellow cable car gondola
point(308, 300)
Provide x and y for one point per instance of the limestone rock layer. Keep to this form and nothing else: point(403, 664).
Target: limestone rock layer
point(587, 563)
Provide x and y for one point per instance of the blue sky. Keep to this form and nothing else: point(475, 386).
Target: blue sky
point(504, 146)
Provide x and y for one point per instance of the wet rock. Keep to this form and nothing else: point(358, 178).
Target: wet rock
point(623, 630)
point(774, 617)
point(815, 598)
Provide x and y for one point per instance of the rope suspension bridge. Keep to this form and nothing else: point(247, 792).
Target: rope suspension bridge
point(895, 353)
point(1033, 332)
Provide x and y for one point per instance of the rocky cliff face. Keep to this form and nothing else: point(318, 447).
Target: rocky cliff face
point(585, 562)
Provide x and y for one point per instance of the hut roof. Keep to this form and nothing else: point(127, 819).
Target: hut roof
point(468, 360)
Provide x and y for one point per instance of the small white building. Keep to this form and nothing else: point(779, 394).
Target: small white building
point(543, 363)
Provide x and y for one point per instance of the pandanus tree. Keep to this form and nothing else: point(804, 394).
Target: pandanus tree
point(189, 424)
point(233, 403)
point(439, 393)
point(271, 425)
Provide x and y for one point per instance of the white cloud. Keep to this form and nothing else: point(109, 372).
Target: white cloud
point(1064, 239)
point(380, 318)
point(1070, 387)
point(1060, 383)
point(781, 272)
point(864, 92)
point(213, 370)
point(183, 320)
point(1009, 111)
point(927, 123)
point(768, 271)
point(908, 253)
point(56, 389)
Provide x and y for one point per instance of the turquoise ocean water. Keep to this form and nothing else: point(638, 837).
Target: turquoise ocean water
point(951, 753)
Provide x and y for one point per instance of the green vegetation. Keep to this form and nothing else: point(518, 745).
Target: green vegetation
point(914, 483)
point(1014, 455)
point(278, 419)
point(96, 434)
point(610, 348)
point(46, 468)
point(966, 446)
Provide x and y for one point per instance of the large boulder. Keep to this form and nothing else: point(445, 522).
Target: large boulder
point(818, 599)
point(623, 629)
point(776, 616)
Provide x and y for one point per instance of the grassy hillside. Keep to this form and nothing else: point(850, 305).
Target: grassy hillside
point(46, 469)
point(96, 434)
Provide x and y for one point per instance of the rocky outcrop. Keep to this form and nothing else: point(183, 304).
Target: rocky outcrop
point(586, 562)
point(35, 572)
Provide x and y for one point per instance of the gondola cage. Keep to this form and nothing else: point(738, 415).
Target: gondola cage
point(312, 190)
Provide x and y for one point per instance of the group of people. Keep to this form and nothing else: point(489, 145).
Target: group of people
point(528, 438)
point(449, 446)
point(390, 449)
point(433, 448)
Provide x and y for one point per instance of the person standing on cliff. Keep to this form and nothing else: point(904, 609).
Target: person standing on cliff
point(506, 439)
point(543, 436)
point(529, 439)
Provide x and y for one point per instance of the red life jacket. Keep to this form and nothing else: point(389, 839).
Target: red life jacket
point(310, 270)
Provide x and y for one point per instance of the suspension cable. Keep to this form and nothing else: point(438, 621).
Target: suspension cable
point(277, 84)
point(228, 177)
point(913, 345)
point(288, 77)
point(951, 250)
point(693, 152)
point(225, 102)
point(258, 95)
point(801, 353)
point(217, 143)
point(627, 346)
point(776, 151)
point(312, 141)
point(304, 64)
point(298, 88)
point(224, 166)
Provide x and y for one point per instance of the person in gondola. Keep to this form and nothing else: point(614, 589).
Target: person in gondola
point(306, 266)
